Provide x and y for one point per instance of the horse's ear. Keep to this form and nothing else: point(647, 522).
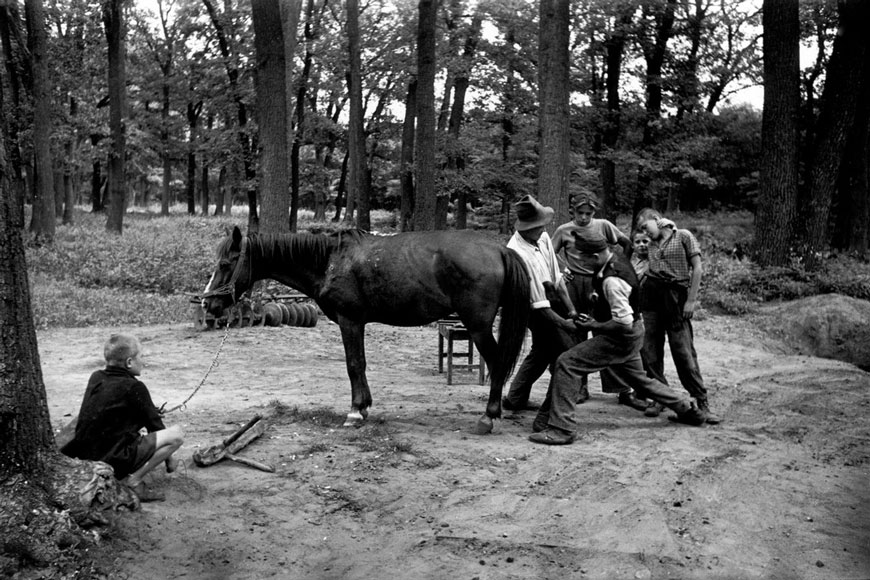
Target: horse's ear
point(237, 236)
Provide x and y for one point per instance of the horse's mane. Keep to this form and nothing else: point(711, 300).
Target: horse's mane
point(312, 249)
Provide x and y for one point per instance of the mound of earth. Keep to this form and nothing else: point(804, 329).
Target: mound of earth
point(828, 326)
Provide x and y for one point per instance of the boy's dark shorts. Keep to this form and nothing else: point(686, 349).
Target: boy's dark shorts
point(145, 448)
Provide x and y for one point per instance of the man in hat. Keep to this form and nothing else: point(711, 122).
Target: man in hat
point(614, 349)
point(551, 333)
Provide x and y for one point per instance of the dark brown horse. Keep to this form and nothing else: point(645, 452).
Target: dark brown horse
point(407, 279)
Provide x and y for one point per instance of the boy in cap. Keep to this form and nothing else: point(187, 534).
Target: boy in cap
point(614, 348)
point(576, 241)
point(551, 334)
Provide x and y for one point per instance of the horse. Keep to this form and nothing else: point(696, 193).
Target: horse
point(404, 279)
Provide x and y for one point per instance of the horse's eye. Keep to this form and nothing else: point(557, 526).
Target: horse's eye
point(224, 264)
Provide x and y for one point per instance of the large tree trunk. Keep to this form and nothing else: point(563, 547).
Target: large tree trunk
point(779, 135)
point(113, 20)
point(406, 170)
point(42, 223)
point(272, 116)
point(424, 142)
point(853, 189)
point(553, 126)
point(25, 427)
point(846, 75)
point(357, 166)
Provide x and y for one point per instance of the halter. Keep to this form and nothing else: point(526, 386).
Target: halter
point(230, 287)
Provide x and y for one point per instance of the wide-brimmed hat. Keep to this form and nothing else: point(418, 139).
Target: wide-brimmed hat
point(531, 214)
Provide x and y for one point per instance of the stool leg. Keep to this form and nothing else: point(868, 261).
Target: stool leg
point(470, 351)
point(440, 352)
point(450, 359)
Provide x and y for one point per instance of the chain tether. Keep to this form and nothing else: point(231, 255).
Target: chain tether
point(205, 376)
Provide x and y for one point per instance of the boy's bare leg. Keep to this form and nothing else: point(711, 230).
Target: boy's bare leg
point(168, 442)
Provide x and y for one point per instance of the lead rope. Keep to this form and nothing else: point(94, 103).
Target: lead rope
point(205, 376)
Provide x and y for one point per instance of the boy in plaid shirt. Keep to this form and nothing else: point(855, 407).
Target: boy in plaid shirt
point(668, 299)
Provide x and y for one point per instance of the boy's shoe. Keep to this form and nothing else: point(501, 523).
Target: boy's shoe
point(628, 399)
point(653, 409)
point(552, 436)
point(693, 416)
point(144, 494)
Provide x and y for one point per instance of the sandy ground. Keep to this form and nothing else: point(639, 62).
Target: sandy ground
point(779, 490)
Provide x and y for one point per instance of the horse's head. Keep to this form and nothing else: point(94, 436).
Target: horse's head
point(232, 277)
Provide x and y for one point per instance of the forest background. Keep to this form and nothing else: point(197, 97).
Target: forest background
point(114, 112)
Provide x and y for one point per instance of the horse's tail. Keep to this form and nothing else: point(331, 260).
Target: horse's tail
point(514, 316)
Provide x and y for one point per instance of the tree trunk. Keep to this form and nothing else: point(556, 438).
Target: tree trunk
point(272, 117)
point(14, 52)
point(853, 189)
point(193, 112)
point(166, 153)
point(553, 125)
point(424, 142)
point(290, 11)
point(615, 47)
point(654, 55)
point(113, 20)
point(69, 187)
point(406, 170)
point(457, 162)
point(357, 166)
point(846, 75)
point(96, 178)
point(778, 179)
point(342, 187)
point(25, 427)
point(42, 222)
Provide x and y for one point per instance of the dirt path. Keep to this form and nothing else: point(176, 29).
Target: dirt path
point(779, 490)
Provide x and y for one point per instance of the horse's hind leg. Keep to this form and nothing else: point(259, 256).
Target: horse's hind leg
point(488, 349)
point(353, 337)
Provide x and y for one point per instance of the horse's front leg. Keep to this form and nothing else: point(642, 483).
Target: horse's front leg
point(353, 337)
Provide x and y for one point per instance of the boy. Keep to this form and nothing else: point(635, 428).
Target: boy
point(569, 239)
point(116, 405)
point(668, 300)
point(640, 256)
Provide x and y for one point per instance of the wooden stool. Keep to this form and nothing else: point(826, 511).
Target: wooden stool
point(449, 331)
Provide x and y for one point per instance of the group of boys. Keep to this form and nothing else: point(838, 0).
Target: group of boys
point(629, 300)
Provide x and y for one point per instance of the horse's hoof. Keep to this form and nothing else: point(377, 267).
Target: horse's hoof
point(484, 425)
point(355, 418)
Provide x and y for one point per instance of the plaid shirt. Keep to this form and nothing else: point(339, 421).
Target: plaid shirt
point(671, 260)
